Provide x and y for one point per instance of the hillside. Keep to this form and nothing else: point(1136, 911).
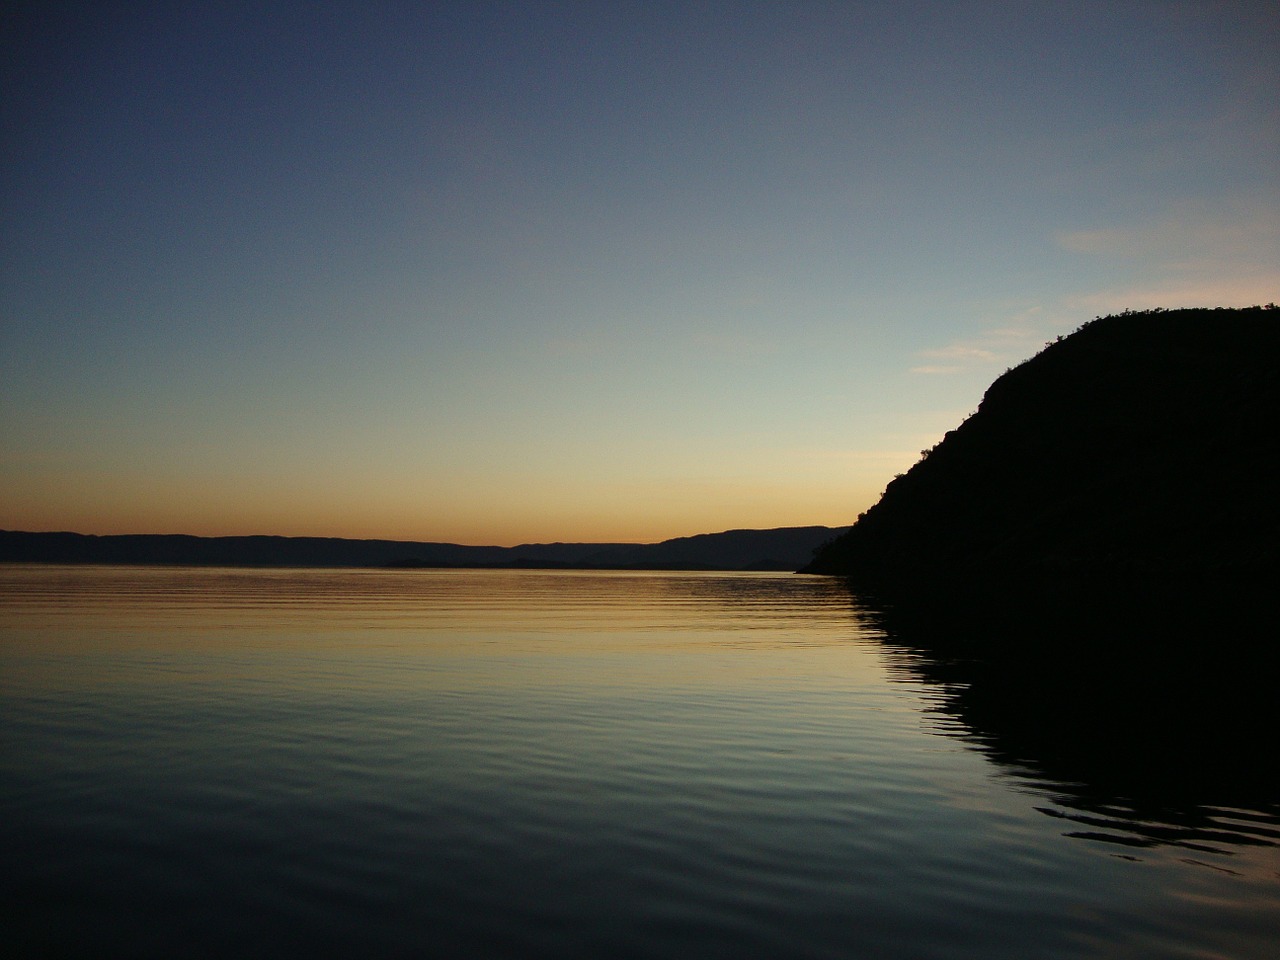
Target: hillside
point(1144, 446)
point(784, 548)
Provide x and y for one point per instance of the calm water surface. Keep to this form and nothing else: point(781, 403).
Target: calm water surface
point(200, 762)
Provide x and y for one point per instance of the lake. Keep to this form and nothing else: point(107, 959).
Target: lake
point(269, 762)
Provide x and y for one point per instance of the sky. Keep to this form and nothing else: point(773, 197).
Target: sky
point(523, 272)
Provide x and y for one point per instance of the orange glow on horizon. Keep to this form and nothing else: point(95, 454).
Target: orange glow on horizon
point(501, 529)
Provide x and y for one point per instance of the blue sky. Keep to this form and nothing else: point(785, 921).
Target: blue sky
point(503, 272)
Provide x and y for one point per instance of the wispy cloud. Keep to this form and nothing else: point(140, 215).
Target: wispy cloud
point(936, 368)
point(1224, 256)
point(1010, 338)
point(959, 351)
point(1188, 240)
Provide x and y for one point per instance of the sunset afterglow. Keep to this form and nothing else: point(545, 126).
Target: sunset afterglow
point(498, 273)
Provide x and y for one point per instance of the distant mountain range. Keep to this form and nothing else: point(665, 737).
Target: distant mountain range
point(1144, 447)
point(785, 548)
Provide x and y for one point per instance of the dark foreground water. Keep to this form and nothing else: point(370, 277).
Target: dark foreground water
point(260, 763)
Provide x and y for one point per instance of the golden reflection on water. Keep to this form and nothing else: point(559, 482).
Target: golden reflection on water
point(498, 627)
point(743, 746)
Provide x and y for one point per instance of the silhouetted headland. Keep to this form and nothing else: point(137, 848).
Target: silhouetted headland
point(783, 548)
point(1140, 453)
point(1085, 569)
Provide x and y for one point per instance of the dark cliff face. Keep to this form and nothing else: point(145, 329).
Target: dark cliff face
point(1143, 445)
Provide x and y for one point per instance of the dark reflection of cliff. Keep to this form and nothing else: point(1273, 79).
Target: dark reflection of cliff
point(1140, 723)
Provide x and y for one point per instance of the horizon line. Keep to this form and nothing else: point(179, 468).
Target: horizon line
point(455, 543)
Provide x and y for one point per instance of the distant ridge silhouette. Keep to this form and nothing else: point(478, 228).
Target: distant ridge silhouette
point(784, 548)
point(1143, 448)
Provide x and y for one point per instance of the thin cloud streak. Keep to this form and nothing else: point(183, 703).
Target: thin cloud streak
point(1012, 340)
point(1190, 240)
point(1195, 264)
point(1224, 256)
point(934, 369)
